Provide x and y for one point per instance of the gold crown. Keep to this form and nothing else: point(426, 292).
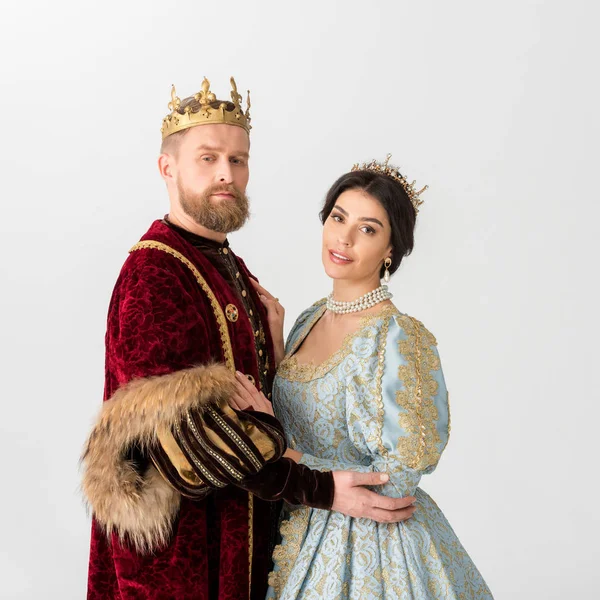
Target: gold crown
point(204, 108)
point(393, 172)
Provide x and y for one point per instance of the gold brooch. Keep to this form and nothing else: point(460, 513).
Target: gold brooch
point(231, 312)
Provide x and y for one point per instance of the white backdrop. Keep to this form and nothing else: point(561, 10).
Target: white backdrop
point(494, 105)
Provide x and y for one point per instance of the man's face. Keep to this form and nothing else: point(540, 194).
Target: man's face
point(210, 170)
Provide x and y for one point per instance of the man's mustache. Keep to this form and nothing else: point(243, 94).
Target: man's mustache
point(230, 189)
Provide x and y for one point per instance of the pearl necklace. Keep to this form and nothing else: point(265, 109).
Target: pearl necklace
point(367, 301)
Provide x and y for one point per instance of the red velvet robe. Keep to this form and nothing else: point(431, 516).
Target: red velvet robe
point(160, 321)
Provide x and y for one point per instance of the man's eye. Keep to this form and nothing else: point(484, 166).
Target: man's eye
point(207, 158)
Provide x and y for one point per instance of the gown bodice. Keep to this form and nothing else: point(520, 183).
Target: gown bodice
point(379, 403)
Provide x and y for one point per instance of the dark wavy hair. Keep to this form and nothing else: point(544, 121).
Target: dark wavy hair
point(391, 195)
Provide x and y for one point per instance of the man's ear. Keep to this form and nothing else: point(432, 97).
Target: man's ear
point(165, 166)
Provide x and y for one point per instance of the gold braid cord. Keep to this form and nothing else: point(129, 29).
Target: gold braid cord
point(218, 311)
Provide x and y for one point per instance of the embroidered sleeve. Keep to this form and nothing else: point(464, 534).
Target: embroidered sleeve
point(412, 413)
point(397, 406)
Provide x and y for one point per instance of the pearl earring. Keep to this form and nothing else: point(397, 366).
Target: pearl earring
point(388, 264)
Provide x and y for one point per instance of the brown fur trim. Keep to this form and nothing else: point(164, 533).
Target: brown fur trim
point(141, 509)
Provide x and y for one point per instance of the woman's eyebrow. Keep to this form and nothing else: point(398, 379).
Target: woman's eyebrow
point(371, 220)
point(367, 219)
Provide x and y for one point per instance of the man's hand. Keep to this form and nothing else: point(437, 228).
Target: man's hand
point(355, 501)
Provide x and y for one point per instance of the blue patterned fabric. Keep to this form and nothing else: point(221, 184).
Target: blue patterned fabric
point(378, 404)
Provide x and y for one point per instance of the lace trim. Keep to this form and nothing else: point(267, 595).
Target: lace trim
point(285, 554)
point(379, 386)
point(292, 370)
point(419, 449)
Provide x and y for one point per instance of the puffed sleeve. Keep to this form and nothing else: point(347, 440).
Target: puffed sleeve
point(411, 419)
point(397, 408)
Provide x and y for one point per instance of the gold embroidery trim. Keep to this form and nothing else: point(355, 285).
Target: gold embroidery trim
point(419, 393)
point(208, 476)
point(379, 386)
point(220, 459)
point(218, 311)
point(418, 449)
point(290, 369)
point(177, 458)
point(236, 438)
point(285, 554)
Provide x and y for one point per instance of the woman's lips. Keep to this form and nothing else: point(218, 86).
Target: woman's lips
point(338, 258)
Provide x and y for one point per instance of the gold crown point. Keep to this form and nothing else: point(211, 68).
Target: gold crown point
point(236, 97)
point(175, 101)
point(205, 96)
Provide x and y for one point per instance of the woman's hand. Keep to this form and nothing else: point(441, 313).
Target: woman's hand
point(293, 454)
point(276, 316)
point(247, 396)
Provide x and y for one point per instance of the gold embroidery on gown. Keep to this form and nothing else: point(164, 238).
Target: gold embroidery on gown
point(379, 403)
point(418, 450)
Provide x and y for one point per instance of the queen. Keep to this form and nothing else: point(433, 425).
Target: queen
point(361, 389)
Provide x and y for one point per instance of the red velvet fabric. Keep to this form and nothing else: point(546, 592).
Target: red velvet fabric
point(160, 321)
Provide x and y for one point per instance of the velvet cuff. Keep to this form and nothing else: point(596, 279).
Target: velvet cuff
point(294, 483)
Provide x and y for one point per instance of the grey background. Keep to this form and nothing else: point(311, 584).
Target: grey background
point(493, 104)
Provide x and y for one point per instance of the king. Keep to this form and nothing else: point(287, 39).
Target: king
point(184, 490)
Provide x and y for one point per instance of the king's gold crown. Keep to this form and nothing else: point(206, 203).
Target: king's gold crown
point(204, 108)
point(393, 172)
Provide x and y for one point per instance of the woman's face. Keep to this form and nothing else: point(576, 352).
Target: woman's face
point(356, 237)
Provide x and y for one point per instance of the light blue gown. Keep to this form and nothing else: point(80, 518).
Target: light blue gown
point(378, 404)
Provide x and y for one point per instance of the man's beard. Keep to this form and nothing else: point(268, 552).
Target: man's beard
point(222, 216)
